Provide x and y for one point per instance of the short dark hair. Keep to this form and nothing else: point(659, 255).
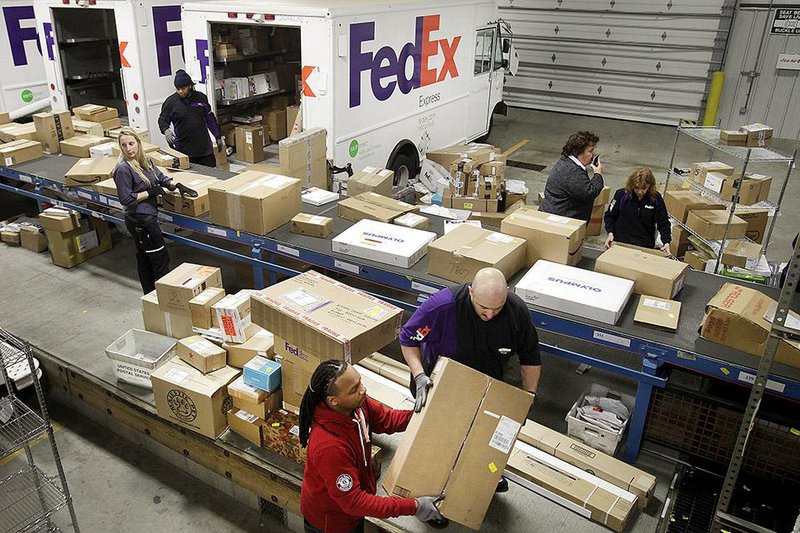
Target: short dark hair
point(578, 142)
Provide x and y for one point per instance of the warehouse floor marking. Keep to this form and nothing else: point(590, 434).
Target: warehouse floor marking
point(521, 164)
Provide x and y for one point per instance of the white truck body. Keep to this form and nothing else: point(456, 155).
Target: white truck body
point(23, 81)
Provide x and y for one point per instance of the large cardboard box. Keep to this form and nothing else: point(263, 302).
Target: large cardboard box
point(660, 312)
point(95, 113)
point(14, 131)
point(757, 220)
point(606, 467)
point(90, 171)
point(253, 201)
point(460, 254)
point(87, 127)
point(383, 243)
point(183, 283)
point(169, 158)
point(71, 248)
point(79, 145)
point(373, 206)
point(313, 225)
point(201, 353)
point(260, 344)
point(459, 448)
point(280, 435)
point(195, 207)
point(711, 224)
point(233, 315)
point(741, 254)
point(200, 307)
point(699, 170)
point(371, 179)
point(52, 128)
point(191, 399)
point(651, 274)
point(551, 237)
point(16, 152)
point(250, 143)
point(296, 356)
point(327, 317)
point(304, 156)
point(575, 291)
point(680, 203)
point(162, 322)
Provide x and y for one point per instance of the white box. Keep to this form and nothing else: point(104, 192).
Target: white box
point(316, 196)
point(575, 291)
point(233, 315)
point(103, 150)
point(384, 243)
point(595, 436)
point(137, 353)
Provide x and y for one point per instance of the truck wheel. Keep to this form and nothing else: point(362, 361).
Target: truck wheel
point(404, 169)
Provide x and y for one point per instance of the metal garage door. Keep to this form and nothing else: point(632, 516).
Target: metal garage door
point(638, 60)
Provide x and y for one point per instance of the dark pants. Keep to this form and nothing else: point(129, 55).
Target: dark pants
point(205, 160)
point(311, 529)
point(152, 259)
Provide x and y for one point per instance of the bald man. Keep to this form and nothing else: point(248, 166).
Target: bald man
point(479, 325)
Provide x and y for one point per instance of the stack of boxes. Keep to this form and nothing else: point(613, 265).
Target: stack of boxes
point(751, 135)
point(52, 128)
point(107, 117)
point(74, 239)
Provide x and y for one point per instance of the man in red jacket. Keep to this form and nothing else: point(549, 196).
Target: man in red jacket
point(339, 485)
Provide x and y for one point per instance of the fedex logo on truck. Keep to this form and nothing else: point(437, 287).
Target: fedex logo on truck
point(388, 68)
point(21, 26)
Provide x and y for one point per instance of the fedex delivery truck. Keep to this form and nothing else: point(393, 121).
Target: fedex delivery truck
point(387, 80)
point(23, 82)
point(118, 53)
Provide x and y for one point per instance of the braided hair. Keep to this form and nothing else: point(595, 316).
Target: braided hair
point(320, 387)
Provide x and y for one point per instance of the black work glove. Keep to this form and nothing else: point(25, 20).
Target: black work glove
point(171, 185)
point(186, 191)
point(154, 191)
point(423, 384)
point(220, 144)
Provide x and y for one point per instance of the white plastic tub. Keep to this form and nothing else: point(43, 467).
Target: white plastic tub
point(137, 353)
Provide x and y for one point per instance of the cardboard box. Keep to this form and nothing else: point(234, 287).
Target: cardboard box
point(95, 113)
point(195, 207)
point(275, 122)
point(16, 152)
point(757, 134)
point(90, 171)
point(294, 381)
point(108, 187)
point(254, 400)
point(201, 353)
point(710, 224)
point(651, 274)
point(143, 133)
point(571, 486)
point(741, 254)
point(660, 312)
point(460, 254)
point(618, 473)
point(551, 237)
point(52, 128)
point(191, 399)
point(447, 446)
point(246, 424)
point(262, 373)
point(304, 156)
point(680, 241)
point(412, 220)
point(750, 192)
point(260, 344)
point(757, 220)
point(59, 219)
point(313, 225)
point(595, 225)
point(250, 143)
point(763, 190)
point(326, 316)
point(253, 201)
point(371, 179)
point(733, 137)
point(32, 237)
point(164, 323)
point(372, 206)
point(470, 203)
point(281, 432)
point(18, 132)
point(4, 117)
point(680, 203)
point(233, 315)
point(184, 283)
point(699, 170)
point(202, 314)
point(112, 124)
point(292, 125)
point(383, 243)
point(71, 248)
point(11, 238)
point(696, 259)
point(86, 127)
point(169, 158)
point(575, 291)
point(296, 356)
point(446, 156)
point(79, 145)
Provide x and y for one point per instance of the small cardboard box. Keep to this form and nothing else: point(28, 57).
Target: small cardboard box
point(275, 124)
point(447, 446)
point(696, 259)
point(710, 224)
point(372, 206)
point(446, 156)
point(200, 307)
point(183, 283)
point(250, 143)
point(259, 344)
point(11, 238)
point(699, 170)
point(108, 187)
point(52, 128)
point(680, 203)
point(201, 353)
point(143, 133)
point(59, 219)
point(169, 158)
point(749, 194)
point(383, 243)
point(551, 237)
point(470, 203)
point(741, 254)
point(292, 114)
point(32, 237)
point(459, 255)
point(660, 312)
point(246, 424)
point(313, 225)
point(757, 220)
point(157, 321)
point(281, 435)
point(412, 220)
point(95, 113)
point(191, 399)
point(14, 131)
point(763, 190)
point(304, 156)
point(79, 145)
point(253, 400)
point(575, 291)
point(294, 381)
point(371, 179)
point(4, 117)
point(86, 127)
point(326, 316)
point(195, 207)
point(680, 241)
point(262, 373)
point(16, 152)
point(71, 248)
point(733, 137)
point(757, 134)
point(233, 315)
point(90, 171)
point(659, 276)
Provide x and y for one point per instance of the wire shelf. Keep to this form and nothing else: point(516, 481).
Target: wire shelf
point(705, 191)
point(27, 499)
point(24, 425)
point(12, 351)
point(710, 136)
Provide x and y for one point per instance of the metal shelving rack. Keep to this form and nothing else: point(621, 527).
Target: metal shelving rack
point(28, 497)
point(710, 137)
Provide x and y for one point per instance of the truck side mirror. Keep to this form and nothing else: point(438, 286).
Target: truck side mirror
point(506, 45)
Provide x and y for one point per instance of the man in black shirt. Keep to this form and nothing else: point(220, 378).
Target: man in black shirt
point(186, 119)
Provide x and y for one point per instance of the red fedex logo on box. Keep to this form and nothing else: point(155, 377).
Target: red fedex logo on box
point(387, 68)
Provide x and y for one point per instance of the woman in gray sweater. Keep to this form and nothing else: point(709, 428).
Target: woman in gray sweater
point(575, 180)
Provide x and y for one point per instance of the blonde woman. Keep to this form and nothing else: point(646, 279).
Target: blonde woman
point(139, 183)
point(637, 211)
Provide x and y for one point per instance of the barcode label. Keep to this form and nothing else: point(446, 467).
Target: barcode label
point(505, 434)
point(288, 251)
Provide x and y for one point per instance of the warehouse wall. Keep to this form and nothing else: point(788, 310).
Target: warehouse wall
point(631, 59)
point(775, 94)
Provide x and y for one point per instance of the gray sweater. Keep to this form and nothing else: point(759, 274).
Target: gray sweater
point(569, 191)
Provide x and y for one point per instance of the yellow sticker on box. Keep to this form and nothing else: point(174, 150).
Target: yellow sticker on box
point(492, 468)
